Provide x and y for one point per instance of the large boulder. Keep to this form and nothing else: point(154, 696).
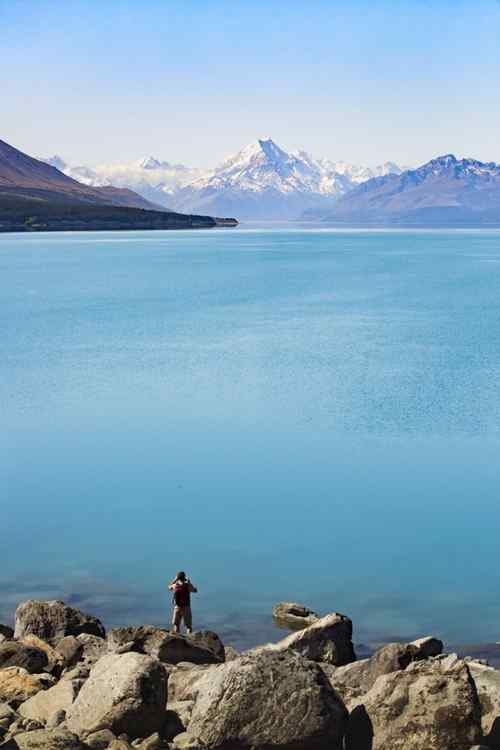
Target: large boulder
point(267, 700)
point(327, 640)
point(487, 682)
point(46, 703)
point(167, 647)
point(430, 705)
point(17, 684)
point(44, 739)
point(15, 654)
point(53, 620)
point(125, 693)
point(352, 680)
point(294, 616)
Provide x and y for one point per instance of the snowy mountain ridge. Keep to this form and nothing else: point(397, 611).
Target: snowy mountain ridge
point(262, 180)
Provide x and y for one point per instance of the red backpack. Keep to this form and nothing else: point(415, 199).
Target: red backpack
point(182, 595)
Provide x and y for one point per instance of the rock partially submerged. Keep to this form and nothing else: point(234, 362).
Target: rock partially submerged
point(53, 620)
point(294, 616)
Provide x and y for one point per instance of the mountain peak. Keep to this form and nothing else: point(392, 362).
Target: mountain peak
point(151, 162)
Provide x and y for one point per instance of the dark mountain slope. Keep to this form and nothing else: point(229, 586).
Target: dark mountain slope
point(18, 170)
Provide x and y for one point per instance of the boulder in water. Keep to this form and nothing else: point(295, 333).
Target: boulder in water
point(294, 616)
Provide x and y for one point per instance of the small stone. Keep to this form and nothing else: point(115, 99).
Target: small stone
point(100, 740)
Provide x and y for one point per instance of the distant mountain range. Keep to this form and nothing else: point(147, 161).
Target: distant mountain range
point(445, 190)
point(35, 195)
point(262, 181)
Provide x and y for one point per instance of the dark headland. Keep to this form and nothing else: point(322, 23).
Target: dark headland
point(68, 684)
point(35, 196)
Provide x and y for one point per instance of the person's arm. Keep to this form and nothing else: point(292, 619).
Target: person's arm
point(171, 585)
point(192, 588)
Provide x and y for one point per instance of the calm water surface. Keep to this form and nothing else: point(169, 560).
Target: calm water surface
point(285, 413)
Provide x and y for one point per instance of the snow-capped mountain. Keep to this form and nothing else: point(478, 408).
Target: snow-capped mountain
point(152, 178)
point(264, 181)
point(261, 181)
point(445, 189)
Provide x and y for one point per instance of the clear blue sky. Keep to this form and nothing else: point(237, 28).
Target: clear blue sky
point(194, 80)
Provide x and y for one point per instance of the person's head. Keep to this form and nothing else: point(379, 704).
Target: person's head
point(181, 576)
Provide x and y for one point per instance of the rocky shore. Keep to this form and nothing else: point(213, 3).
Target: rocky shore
point(67, 684)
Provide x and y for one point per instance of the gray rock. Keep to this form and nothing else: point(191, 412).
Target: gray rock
point(182, 680)
point(45, 703)
point(231, 653)
point(124, 693)
point(43, 739)
point(53, 620)
point(294, 616)
point(76, 673)
point(167, 647)
point(14, 654)
point(267, 700)
point(352, 680)
point(426, 647)
point(327, 640)
point(210, 641)
point(100, 740)
point(70, 649)
point(430, 705)
point(487, 682)
point(93, 647)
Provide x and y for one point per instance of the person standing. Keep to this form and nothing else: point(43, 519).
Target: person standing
point(182, 589)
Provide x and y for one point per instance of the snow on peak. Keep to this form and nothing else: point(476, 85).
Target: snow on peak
point(151, 162)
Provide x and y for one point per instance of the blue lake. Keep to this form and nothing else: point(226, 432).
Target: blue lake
point(285, 413)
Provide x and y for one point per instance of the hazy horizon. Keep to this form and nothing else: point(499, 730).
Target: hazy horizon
point(365, 83)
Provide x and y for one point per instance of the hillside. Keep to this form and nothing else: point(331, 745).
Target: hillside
point(18, 170)
point(445, 190)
